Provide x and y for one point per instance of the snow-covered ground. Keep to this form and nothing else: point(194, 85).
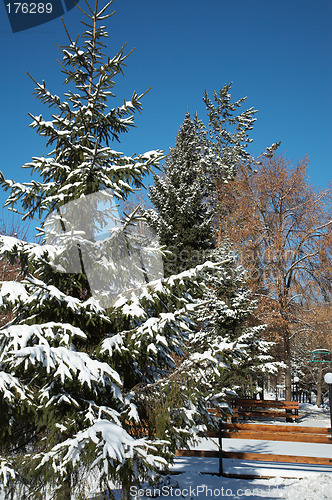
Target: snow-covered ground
point(196, 478)
point(193, 484)
point(304, 482)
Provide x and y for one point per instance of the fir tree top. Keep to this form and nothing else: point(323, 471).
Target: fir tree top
point(228, 130)
point(81, 129)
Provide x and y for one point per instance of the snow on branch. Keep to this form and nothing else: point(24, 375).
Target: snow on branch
point(67, 364)
point(10, 387)
point(113, 447)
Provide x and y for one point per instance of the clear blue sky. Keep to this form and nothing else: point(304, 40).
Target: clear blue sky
point(276, 53)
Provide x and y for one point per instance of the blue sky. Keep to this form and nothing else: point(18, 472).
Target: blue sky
point(276, 53)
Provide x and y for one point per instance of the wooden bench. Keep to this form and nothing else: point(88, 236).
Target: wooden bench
point(273, 433)
point(255, 408)
point(266, 433)
point(263, 408)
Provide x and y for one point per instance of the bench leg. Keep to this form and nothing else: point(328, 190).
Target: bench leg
point(289, 414)
point(221, 472)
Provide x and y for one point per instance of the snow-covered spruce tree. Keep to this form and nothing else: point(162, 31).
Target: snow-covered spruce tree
point(228, 138)
point(182, 217)
point(78, 381)
point(227, 332)
point(221, 340)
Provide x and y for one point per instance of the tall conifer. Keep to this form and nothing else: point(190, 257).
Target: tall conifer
point(179, 196)
point(82, 384)
point(221, 340)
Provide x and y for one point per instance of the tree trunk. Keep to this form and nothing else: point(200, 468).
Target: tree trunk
point(261, 394)
point(288, 371)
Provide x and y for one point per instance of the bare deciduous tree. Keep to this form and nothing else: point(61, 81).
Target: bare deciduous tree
point(281, 226)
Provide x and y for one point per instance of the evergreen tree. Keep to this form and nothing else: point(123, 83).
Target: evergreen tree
point(228, 138)
point(182, 217)
point(79, 381)
point(222, 341)
point(227, 340)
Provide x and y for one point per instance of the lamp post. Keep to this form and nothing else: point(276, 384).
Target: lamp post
point(323, 356)
point(328, 380)
point(296, 382)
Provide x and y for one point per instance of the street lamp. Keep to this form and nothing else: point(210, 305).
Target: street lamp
point(323, 356)
point(328, 380)
point(296, 381)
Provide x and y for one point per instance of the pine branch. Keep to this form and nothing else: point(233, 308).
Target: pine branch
point(69, 38)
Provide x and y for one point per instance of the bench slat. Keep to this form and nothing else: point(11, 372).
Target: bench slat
point(265, 413)
point(272, 404)
point(267, 436)
point(197, 453)
point(272, 427)
point(267, 457)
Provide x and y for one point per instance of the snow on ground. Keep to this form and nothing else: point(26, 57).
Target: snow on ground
point(304, 482)
point(196, 478)
point(312, 416)
point(193, 484)
point(277, 447)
